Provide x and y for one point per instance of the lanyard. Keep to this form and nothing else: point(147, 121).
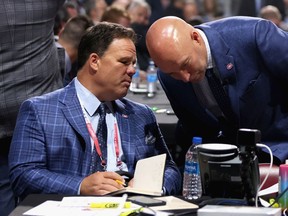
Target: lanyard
point(96, 143)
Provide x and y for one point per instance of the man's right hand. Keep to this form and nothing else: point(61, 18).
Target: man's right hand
point(100, 183)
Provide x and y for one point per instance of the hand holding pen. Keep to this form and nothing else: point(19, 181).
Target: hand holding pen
point(101, 183)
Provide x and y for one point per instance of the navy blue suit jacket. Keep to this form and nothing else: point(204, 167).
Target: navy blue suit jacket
point(51, 147)
point(251, 56)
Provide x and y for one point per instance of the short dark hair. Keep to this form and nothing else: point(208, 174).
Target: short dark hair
point(74, 29)
point(98, 38)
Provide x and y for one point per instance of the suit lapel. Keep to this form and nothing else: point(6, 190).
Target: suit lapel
point(225, 64)
point(73, 112)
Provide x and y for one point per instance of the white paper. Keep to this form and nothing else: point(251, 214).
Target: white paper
point(79, 206)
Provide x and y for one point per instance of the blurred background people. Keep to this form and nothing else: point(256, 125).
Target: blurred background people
point(157, 10)
point(174, 8)
point(272, 13)
point(62, 16)
point(285, 17)
point(95, 9)
point(121, 3)
point(253, 7)
point(28, 67)
point(140, 11)
point(71, 8)
point(117, 15)
point(69, 39)
point(190, 10)
point(211, 10)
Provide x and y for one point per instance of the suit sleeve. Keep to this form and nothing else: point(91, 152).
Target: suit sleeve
point(28, 160)
point(273, 45)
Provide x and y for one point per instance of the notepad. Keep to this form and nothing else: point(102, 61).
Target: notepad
point(148, 177)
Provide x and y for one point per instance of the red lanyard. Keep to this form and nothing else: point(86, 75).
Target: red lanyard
point(96, 143)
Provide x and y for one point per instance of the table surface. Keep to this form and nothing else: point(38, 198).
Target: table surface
point(159, 103)
point(33, 200)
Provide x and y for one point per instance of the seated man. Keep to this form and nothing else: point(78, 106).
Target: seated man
point(54, 148)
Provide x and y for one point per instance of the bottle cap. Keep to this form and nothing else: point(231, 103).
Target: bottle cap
point(197, 140)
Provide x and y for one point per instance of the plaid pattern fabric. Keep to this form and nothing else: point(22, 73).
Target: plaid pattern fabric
point(28, 56)
point(51, 148)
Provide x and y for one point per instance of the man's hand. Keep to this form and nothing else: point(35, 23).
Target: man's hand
point(100, 183)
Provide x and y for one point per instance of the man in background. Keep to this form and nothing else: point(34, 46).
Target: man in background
point(69, 39)
point(95, 9)
point(273, 14)
point(117, 15)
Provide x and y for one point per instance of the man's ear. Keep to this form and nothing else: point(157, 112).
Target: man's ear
point(195, 36)
point(94, 61)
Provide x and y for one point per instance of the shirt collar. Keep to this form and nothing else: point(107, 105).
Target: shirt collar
point(209, 55)
point(89, 100)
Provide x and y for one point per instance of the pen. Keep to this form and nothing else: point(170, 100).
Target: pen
point(120, 182)
point(108, 205)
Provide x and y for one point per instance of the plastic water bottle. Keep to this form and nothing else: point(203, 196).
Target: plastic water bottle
point(151, 79)
point(192, 188)
point(136, 77)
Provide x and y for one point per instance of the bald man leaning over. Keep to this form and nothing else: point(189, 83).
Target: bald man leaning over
point(249, 56)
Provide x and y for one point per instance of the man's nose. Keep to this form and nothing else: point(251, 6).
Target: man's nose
point(131, 69)
point(185, 76)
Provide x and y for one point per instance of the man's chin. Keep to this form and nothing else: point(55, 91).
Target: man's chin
point(123, 94)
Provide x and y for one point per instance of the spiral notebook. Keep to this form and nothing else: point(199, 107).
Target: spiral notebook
point(148, 177)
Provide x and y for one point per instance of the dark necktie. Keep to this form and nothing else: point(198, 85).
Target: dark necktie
point(220, 95)
point(101, 134)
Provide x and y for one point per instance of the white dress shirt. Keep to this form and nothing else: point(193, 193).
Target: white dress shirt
point(91, 103)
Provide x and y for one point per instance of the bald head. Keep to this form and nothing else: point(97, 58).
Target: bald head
point(172, 43)
point(164, 35)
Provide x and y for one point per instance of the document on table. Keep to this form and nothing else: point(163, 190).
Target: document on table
point(80, 206)
point(76, 206)
point(148, 177)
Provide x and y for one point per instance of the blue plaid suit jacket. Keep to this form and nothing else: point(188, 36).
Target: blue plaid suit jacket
point(51, 148)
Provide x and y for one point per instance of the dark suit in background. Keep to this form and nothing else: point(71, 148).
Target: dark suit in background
point(251, 56)
point(143, 56)
point(29, 66)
